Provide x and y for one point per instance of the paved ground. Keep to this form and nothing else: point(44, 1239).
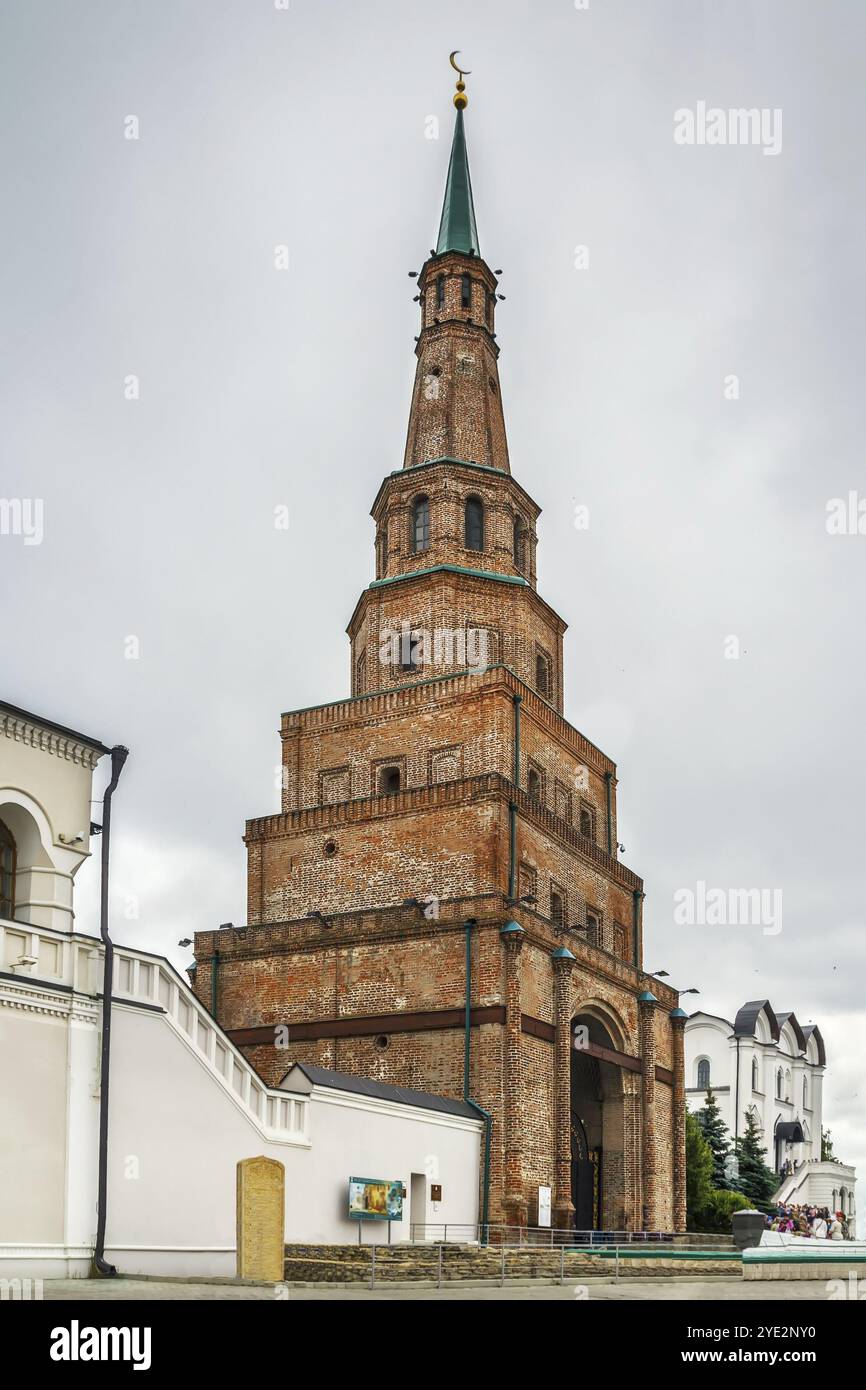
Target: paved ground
point(677, 1290)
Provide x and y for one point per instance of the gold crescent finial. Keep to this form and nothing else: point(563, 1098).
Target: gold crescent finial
point(460, 98)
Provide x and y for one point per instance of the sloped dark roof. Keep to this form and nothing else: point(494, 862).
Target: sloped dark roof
point(747, 1017)
point(364, 1086)
point(791, 1018)
point(812, 1030)
point(790, 1129)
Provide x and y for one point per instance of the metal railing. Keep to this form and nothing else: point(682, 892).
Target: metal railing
point(450, 1233)
point(562, 1263)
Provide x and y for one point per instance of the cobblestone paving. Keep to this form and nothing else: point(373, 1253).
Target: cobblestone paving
point(721, 1290)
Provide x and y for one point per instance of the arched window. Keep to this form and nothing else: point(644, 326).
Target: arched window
point(780, 1083)
point(704, 1074)
point(542, 676)
point(465, 292)
point(805, 1094)
point(557, 912)
point(788, 1092)
point(7, 873)
point(592, 928)
point(755, 1074)
point(586, 822)
point(420, 524)
point(533, 784)
point(389, 780)
point(519, 543)
point(440, 292)
point(473, 524)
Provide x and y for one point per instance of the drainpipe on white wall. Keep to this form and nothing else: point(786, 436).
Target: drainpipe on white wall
point(119, 756)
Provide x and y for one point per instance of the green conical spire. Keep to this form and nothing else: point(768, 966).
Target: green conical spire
point(457, 229)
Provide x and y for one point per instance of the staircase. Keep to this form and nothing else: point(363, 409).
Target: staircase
point(73, 963)
point(819, 1181)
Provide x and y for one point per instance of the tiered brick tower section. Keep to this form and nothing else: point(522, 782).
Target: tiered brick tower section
point(450, 789)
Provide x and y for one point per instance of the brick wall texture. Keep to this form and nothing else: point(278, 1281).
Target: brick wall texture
point(449, 788)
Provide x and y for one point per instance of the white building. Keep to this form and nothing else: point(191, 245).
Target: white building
point(768, 1064)
point(184, 1104)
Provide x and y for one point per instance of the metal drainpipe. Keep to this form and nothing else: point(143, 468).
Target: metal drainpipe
point(608, 778)
point(635, 945)
point(119, 756)
point(213, 981)
point(485, 1114)
point(737, 1098)
point(516, 700)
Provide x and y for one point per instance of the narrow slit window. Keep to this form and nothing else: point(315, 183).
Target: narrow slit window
point(7, 873)
point(474, 524)
point(420, 524)
point(542, 676)
point(519, 543)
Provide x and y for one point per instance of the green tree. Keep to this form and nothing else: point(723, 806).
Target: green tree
point(715, 1132)
point(755, 1179)
point(707, 1208)
point(699, 1173)
point(716, 1215)
point(827, 1154)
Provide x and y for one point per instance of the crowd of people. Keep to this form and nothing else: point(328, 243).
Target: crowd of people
point(819, 1222)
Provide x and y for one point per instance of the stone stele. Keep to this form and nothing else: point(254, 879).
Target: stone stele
point(261, 1206)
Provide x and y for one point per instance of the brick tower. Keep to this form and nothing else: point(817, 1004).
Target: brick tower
point(439, 903)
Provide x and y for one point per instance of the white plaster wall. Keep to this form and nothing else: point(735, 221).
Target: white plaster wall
point(708, 1038)
point(59, 785)
point(377, 1144)
point(45, 793)
point(184, 1109)
point(176, 1137)
point(33, 1060)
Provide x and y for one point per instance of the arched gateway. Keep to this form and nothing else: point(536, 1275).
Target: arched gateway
point(597, 1127)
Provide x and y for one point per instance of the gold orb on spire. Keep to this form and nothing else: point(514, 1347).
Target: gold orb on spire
point(461, 100)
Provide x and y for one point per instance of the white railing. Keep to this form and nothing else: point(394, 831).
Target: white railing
point(834, 1173)
point(40, 957)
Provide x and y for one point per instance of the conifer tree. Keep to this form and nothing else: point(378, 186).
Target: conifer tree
point(755, 1180)
point(715, 1132)
point(827, 1154)
point(699, 1173)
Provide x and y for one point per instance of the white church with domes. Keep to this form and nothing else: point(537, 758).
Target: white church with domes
point(769, 1064)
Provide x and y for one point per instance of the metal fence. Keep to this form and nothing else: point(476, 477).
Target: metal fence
point(563, 1263)
point(429, 1233)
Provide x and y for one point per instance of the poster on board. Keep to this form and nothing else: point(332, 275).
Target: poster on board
point(375, 1199)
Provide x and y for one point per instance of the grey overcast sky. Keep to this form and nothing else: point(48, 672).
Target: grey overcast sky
point(309, 126)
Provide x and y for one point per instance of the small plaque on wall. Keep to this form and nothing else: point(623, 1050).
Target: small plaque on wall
point(435, 1192)
point(544, 1206)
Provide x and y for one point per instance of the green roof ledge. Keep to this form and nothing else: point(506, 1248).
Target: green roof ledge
point(457, 228)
